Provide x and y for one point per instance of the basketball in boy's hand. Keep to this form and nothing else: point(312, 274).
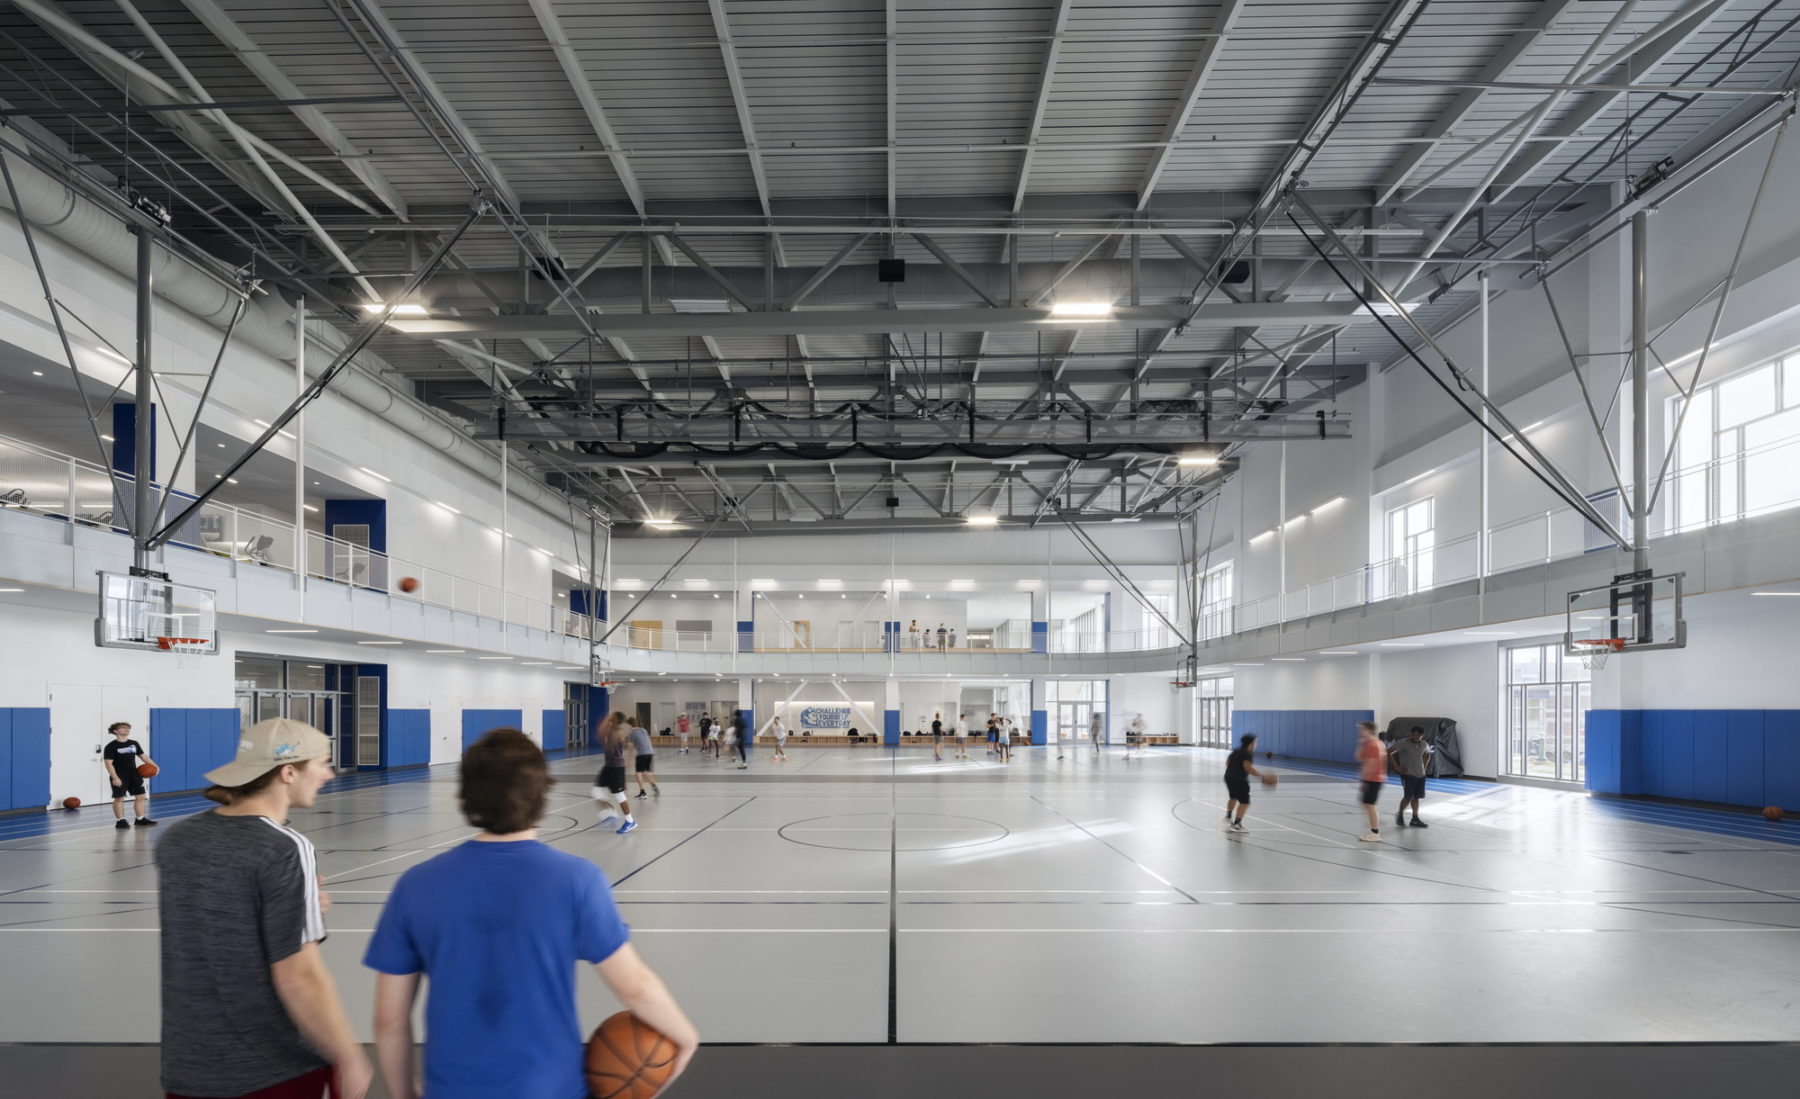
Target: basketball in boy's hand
point(1268, 778)
point(627, 1058)
point(148, 770)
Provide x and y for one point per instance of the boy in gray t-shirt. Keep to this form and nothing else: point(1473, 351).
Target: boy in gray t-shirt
point(1410, 756)
point(646, 759)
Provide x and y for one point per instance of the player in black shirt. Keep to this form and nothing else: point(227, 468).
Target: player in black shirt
point(1239, 765)
point(122, 758)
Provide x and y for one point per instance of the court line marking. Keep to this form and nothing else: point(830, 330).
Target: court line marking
point(1357, 931)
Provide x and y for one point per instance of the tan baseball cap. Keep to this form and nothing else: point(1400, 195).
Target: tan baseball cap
point(267, 745)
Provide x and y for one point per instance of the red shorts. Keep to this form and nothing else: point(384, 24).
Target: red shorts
point(314, 1085)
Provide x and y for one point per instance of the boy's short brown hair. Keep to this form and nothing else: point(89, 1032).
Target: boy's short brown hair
point(1369, 725)
point(504, 782)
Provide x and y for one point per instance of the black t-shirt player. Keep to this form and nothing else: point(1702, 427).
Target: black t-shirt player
point(122, 758)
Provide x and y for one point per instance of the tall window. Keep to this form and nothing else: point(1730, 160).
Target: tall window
point(1215, 601)
point(1739, 450)
point(1212, 712)
point(1410, 540)
point(1547, 695)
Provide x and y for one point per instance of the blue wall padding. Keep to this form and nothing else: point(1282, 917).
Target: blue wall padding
point(408, 740)
point(1040, 726)
point(1302, 734)
point(1040, 642)
point(124, 451)
point(477, 722)
point(25, 757)
point(890, 726)
point(1732, 757)
point(187, 743)
point(556, 731)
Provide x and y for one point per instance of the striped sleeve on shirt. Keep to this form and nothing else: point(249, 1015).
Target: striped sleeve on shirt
point(313, 925)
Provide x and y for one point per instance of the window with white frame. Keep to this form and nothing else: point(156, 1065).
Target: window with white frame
point(1215, 601)
point(1411, 538)
point(1738, 451)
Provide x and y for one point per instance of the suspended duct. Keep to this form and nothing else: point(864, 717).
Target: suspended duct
point(267, 324)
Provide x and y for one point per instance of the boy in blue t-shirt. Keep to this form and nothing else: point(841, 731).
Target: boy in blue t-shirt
point(499, 925)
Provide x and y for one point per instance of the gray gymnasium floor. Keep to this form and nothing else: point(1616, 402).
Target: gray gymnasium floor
point(870, 896)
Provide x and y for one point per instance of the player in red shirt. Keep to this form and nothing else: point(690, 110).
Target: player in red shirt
point(1374, 774)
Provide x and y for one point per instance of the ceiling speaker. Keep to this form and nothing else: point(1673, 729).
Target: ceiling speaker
point(890, 270)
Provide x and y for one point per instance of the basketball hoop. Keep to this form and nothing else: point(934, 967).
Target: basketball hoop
point(187, 650)
point(1178, 684)
point(1593, 653)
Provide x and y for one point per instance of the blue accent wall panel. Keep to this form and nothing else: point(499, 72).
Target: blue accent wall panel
point(6, 795)
point(1710, 745)
point(1040, 641)
point(30, 779)
point(1604, 732)
point(1744, 757)
point(1652, 763)
point(408, 743)
point(747, 636)
point(556, 732)
point(1040, 726)
point(124, 448)
point(1678, 754)
point(355, 512)
point(1302, 734)
point(1781, 758)
point(168, 746)
point(890, 726)
point(477, 722)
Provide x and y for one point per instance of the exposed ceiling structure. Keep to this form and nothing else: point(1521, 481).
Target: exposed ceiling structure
point(685, 300)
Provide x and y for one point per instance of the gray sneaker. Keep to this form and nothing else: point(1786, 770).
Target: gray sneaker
point(1370, 837)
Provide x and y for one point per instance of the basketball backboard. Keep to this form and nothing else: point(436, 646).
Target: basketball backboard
point(137, 611)
point(1639, 611)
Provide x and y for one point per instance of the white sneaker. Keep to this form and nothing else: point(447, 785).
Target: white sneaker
point(1370, 837)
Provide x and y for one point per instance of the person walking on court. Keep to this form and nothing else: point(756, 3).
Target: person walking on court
point(941, 634)
point(1409, 758)
point(1096, 730)
point(1003, 740)
point(953, 637)
point(682, 727)
point(937, 738)
point(609, 784)
point(993, 733)
point(741, 736)
point(497, 927)
point(1374, 773)
point(962, 736)
point(1239, 766)
point(780, 732)
point(644, 763)
point(122, 757)
point(248, 1007)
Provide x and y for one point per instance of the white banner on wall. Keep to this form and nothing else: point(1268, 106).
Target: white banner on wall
point(836, 716)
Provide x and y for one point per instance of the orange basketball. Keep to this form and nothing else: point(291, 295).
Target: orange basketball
point(148, 770)
point(408, 584)
point(1772, 812)
point(71, 803)
point(1268, 778)
point(628, 1058)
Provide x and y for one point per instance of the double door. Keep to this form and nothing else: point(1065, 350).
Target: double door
point(1212, 722)
point(1547, 727)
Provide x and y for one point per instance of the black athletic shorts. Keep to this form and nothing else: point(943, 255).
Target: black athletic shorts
point(1413, 785)
point(134, 785)
point(611, 778)
point(646, 762)
point(1371, 791)
point(1239, 789)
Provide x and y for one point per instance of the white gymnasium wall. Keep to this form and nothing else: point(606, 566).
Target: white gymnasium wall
point(1321, 683)
point(1739, 655)
point(1462, 682)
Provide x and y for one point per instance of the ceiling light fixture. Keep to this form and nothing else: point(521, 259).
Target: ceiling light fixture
point(493, 658)
point(1403, 644)
point(290, 631)
point(446, 650)
point(1081, 309)
point(108, 438)
point(381, 642)
point(309, 507)
point(12, 589)
point(1289, 659)
point(404, 309)
point(1197, 460)
point(1331, 503)
point(372, 473)
point(983, 520)
point(700, 305)
point(1777, 593)
point(446, 507)
point(111, 354)
point(1338, 652)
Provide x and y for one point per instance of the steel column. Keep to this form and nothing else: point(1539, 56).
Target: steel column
point(1640, 391)
point(144, 476)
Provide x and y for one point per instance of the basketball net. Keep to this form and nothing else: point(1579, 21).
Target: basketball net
point(1594, 653)
point(187, 650)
